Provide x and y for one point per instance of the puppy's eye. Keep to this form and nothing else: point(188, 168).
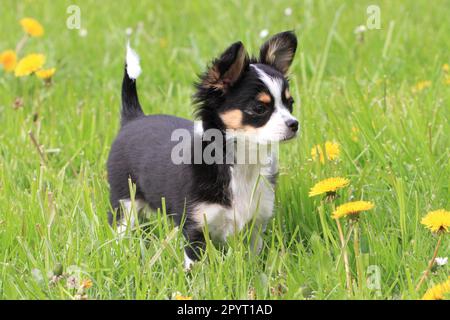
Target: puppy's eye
point(290, 103)
point(259, 109)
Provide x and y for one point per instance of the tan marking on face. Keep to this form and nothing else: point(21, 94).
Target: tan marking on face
point(264, 98)
point(287, 94)
point(232, 119)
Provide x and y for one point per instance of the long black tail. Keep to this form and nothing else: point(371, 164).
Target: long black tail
point(131, 108)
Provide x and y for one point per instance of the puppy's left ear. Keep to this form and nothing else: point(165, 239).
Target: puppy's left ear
point(279, 51)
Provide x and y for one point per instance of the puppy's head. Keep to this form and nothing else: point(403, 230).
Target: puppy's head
point(250, 96)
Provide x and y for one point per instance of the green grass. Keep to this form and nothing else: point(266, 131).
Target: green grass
point(55, 212)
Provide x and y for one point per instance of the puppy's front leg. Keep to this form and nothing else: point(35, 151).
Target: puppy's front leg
point(195, 245)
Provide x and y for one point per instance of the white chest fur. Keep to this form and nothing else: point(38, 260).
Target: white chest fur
point(253, 197)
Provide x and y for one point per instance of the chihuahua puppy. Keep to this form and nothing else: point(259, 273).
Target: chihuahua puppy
point(237, 96)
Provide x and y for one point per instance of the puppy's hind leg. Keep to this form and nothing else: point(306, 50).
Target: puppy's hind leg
point(130, 211)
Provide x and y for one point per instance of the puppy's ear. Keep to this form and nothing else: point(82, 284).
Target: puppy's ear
point(279, 51)
point(226, 69)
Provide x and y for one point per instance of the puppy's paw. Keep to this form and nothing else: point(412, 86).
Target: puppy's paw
point(256, 244)
point(188, 263)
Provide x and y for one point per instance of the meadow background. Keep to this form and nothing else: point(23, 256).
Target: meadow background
point(384, 99)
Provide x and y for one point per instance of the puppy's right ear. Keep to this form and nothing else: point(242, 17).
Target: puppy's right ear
point(227, 69)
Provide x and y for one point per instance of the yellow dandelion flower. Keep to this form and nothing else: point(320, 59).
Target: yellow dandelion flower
point(32, 27)
point(163, 42)
point(46, 74)
point(438, 220)
point(317, 150)
point(438, 291)
point(445, 67)
point(330, 185)
point(8, 59)
point(447, 80)
point(421, 85)
point(354, 207)
point(29, 64)
point(354, 135)
point(86, 283)
point(181, 297)
point(332, 151)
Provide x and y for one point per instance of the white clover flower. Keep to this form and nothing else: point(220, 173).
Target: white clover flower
point(441, 261)
point(288, 11)
point(37, 275)
point(128, 31)
point(264, 33)
point(83, 32)
point(72, 282)
point(360, 29)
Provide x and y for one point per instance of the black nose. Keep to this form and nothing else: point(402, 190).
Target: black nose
point(292, 124)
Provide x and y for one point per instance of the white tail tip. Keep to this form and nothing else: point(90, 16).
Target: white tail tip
point(133, 66)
